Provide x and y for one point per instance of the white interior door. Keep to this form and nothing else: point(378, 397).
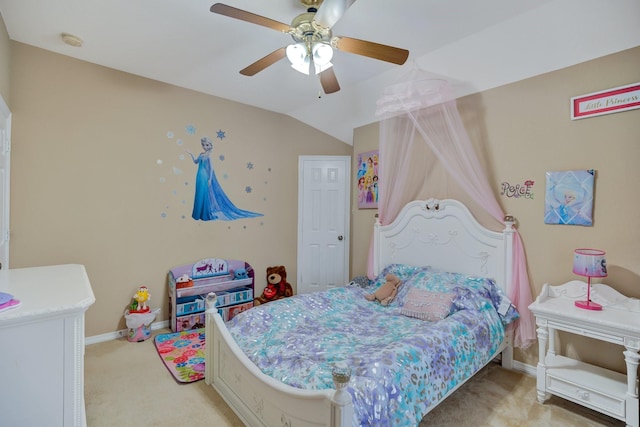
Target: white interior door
point(5, 161)
point(323, 222)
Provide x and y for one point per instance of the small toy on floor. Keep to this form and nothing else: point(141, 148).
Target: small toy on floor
point(387, 292)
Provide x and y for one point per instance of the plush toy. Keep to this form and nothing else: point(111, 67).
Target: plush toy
point(277, 286)
point(184, 281)
point(387, 292)
point(240, 273)
point(140, 299)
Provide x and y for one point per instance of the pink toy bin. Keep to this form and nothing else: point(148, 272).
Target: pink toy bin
point(139, 325)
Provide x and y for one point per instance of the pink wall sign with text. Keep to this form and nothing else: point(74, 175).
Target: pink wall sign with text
point(609, 101)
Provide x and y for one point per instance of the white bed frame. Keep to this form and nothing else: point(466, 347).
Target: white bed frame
point(439, 233)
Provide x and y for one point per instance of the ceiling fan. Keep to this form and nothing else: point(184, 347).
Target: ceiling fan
point(313, 41)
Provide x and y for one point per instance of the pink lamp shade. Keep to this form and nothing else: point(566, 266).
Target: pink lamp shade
point(589, 263)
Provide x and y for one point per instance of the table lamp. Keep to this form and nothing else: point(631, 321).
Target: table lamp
point(589, 263)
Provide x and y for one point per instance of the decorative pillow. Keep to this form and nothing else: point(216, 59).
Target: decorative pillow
point(427, 305)
point(480, 290)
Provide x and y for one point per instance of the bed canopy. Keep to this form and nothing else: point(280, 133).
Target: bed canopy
point(420, 127)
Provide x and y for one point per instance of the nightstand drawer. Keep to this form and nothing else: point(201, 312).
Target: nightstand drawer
point(611, 405)
point(588, 385)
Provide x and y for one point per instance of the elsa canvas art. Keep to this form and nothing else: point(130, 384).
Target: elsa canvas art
point(569, 197)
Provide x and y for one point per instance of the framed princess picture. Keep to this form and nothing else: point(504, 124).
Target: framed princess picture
point(569, 197)
point(367, 180)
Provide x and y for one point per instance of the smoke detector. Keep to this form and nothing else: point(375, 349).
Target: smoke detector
point(71, 40)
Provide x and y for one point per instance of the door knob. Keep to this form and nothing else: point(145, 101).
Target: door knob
point(340, 238)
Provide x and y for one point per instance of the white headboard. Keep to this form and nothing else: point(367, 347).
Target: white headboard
point(445, 235)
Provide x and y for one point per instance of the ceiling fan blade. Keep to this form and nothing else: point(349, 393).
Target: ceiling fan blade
point(372, 50)
point(243, 15)
point(329, 81)
point(331, 11)
point(264, 62)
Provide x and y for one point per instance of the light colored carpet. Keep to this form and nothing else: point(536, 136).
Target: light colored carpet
point(126, 384)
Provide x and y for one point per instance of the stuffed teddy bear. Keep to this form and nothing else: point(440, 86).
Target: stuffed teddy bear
point(277, 286)
point(387, 292)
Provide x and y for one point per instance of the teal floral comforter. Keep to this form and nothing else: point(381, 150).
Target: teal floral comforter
point(401, 366)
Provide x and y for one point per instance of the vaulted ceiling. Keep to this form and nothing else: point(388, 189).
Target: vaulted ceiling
point(475, 45)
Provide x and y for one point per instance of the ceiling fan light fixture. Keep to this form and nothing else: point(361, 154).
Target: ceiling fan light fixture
point(322, 53)
point(320, 68)
point(302, 67)
point(298, 56)
point(313, 40)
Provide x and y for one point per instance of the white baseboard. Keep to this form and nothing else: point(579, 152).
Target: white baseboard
point(523, 367)
point(121, 333)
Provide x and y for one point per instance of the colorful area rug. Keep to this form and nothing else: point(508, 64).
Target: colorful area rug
point(183, 354)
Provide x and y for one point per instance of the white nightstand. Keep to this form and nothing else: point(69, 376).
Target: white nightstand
point(603, 390)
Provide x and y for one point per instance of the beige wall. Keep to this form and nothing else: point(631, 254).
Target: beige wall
point(523, 130)
point(364, 139)
point(86, 181)
point(87, 186)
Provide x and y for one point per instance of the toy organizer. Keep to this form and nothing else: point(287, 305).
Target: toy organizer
point(231, 280)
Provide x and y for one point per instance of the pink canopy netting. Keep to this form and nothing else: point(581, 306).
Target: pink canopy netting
point(420, 126)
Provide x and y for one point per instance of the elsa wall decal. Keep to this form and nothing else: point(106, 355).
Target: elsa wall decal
point(210, 201)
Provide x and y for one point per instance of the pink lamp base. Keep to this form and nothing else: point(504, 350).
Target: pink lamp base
point(588, 305)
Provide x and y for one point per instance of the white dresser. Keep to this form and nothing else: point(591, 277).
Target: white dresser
point(609, 392)
point(42, 346)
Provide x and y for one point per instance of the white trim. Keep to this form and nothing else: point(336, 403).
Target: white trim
point(121, 333)
point(5, 210)
point(524, 368)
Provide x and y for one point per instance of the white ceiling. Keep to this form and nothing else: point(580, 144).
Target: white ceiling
point(476, 45)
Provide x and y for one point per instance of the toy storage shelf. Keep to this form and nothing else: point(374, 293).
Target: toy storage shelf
point(231, 280)
point(219, 286)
